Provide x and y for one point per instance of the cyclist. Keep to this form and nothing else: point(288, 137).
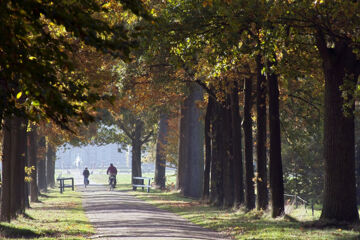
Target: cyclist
point(86, 175)
point(112, 171)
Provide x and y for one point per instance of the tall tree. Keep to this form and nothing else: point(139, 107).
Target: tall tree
point(50, 165)
point(41, 164)
point(160, 162)
point(340, 65)
point(127, 128)
point(336, 38)
point(261, 178)
point(248, 136)
point(275, 163)
point(37, 44)
point(217, 191)
point(33, 146)
point(237, 146)
point(13, 173)
point(191, 155)
point(208, 147)
point(226, 152)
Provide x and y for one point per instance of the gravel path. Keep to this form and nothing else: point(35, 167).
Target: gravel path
point(119, 215)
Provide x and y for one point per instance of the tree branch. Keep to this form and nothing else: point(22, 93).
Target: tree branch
point(146, 139)
point(126, 131)
point(306, 101)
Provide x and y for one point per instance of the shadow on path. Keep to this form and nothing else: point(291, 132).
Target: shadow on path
point(118, 215)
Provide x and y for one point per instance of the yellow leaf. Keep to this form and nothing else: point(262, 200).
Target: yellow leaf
point(18, 95)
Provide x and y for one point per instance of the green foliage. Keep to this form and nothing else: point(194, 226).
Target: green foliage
point(302, 127)
point(37, 43)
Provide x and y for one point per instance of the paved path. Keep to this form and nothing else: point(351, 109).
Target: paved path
point(119, 215)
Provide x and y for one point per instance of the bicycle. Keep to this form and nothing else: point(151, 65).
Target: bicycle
point(112, 182)
point(86, 181)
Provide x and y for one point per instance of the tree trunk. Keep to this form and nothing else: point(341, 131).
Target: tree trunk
point(183, 150)
point(339, 63)
point(207, 148)
point(13, 182)
point(19, 166)
point(27, 163)
point(275, 163)
point(237, 148)
point(217, 191)
point(261, 180)
point(195, 139)
point(42, 165)
point(32, 140)
point(6, 172)
point(50, 166)
point(160, 163)
point(249, 165)
point(227, 154)
point(136, 152)
point(357, 172)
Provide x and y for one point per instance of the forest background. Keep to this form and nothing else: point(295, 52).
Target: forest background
point(243, 97)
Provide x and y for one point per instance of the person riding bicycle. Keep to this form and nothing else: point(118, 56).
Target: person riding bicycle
point(86, 175)
point(112, 171)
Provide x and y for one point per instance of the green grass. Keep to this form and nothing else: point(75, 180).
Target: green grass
point(241, 225)
point(56, 216)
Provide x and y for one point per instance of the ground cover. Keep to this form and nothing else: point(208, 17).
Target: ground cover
point(251, 225)
point(56, 216)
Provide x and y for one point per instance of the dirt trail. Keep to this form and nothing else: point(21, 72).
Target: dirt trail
point(119, 215)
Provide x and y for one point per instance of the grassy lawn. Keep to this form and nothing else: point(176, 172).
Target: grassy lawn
point(241, 225)
point(56, 216)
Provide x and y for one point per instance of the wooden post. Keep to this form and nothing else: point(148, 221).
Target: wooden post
point(148, 187)
point(61, 185)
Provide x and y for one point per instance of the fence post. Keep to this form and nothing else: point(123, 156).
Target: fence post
point(72, 183)
point(61, 185)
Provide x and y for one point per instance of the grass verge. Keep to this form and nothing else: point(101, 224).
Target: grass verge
point(241, 225)
point(56, 216)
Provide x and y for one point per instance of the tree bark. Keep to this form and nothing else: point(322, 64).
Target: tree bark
point(208, 136)
point(275, 163)
point(249, 164)
point(42, 165)
point(160, 162)
point(261, 179)
point(195, 139)
point(136, 152)
point(27, 183)
point(357, 172)
point(13, 174)
point(227, 154)
point(341, 69)
point(6, 172)
point(33, 146)
point(19, 165)
point(217, 191)
point(183, 150)
point(237, 147)
point(50, 166)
